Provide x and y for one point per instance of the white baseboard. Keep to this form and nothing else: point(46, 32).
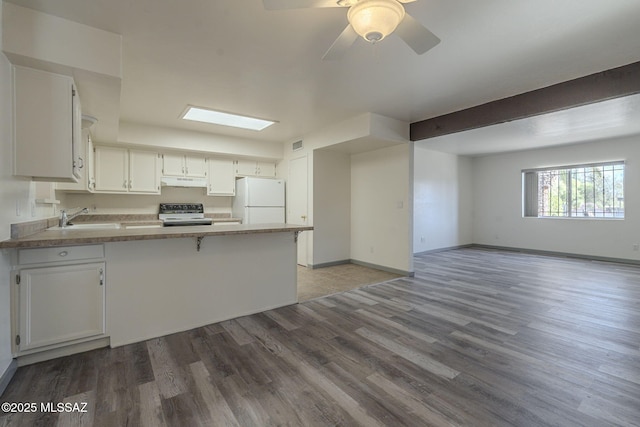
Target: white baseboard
point(7, 375)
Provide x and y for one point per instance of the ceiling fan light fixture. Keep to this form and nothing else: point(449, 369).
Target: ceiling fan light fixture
point(375, 19)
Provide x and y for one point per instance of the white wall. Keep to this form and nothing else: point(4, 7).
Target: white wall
point(361, 128)
point(443, 200)
point(144, 204)
point(381, 206)
point(498, 202)
point(55, 40)
point(9, 193)
point(332, 202)
point(179, 139)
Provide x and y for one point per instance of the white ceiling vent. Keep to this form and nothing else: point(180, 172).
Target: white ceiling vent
point(296, 146)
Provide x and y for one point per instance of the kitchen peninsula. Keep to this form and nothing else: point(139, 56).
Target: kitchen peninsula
point(168, 279)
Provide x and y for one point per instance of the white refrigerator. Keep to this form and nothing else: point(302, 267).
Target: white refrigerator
point(259, 200)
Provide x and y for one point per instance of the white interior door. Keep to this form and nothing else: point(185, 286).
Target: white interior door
point(297, 206)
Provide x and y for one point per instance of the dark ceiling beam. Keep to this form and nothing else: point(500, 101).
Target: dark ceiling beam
point(614, 83)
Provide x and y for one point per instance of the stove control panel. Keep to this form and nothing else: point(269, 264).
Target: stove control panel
point(181, 208)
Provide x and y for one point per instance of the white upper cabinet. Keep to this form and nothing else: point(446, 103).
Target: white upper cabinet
point(183, 165)
point(144, 172)
point(254, 168)
point(172, 165)
point(87, 182)
point(267, 169)
point(222, 177)
point(195, 167)
point(47, 126)
point(121, 170)
point(112, 169)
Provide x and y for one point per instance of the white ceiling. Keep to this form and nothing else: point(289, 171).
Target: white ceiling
point(235, 56)
point(607, 119)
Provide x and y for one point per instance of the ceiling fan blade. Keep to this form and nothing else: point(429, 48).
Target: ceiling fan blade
point(416, 35)
point(298, 4)
point(406, 1)
point(344, 41)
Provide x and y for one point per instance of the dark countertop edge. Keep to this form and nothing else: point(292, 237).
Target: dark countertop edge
point(123, 235)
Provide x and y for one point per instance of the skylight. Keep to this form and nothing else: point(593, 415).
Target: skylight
point(225, 119)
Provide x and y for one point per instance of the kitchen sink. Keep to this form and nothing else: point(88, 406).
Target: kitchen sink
point(87, 226)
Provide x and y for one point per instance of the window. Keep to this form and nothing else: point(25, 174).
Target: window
point(585, 191)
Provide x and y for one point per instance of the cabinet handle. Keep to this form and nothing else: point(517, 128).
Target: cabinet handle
point(81, 162)
point(124, 184)
point(130, 184)
point(101, 271)
point(63, 253)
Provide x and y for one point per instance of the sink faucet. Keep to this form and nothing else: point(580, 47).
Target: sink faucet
point(65, 218)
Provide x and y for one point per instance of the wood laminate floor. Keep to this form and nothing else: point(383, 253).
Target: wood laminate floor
point(478, 338)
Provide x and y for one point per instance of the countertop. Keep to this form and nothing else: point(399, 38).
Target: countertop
point(84, 237)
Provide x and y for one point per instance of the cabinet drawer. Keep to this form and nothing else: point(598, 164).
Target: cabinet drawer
point(58, 254)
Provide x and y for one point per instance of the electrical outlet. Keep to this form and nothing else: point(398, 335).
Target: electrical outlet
point(422, 239)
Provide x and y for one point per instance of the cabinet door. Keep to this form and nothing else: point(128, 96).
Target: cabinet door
point(85, 159)
point(60, 304)
point(195, 167)
point(43, 118)
point(266, 169)
point(144, 172)
point(173, 165)
point(222, 178)
point(91, 165)
point(245, 167)
point(112, 167)
point(79, 153)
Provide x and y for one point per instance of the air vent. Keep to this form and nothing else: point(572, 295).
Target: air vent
point(296, 146)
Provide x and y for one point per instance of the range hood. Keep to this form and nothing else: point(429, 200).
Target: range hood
point(179, 181)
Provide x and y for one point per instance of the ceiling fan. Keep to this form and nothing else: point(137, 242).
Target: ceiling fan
point(373, 20)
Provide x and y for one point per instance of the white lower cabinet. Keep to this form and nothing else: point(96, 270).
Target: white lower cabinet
point(59, 297)
point(60, 304)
